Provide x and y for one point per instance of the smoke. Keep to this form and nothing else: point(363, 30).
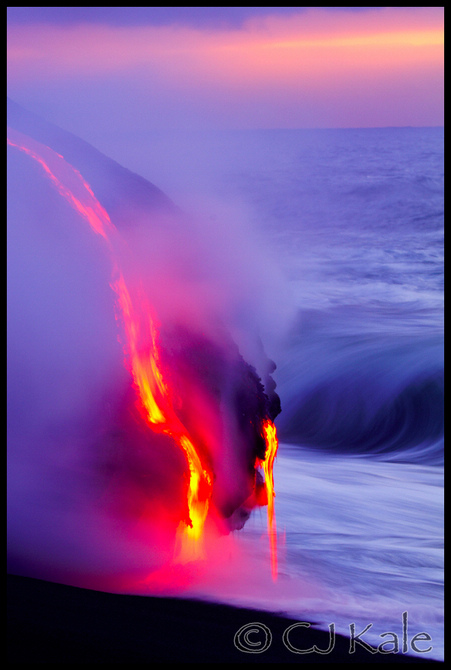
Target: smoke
point(95, 496)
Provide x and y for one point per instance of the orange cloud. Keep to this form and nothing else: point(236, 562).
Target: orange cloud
point(318, 50)
point(275, 42)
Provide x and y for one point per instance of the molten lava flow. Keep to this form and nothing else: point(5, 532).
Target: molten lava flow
point(156, 400)
point(140, 331)
point(142, 355)
point(93, 212)
point(270, 435)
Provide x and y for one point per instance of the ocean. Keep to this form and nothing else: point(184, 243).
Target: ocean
point(351, 222)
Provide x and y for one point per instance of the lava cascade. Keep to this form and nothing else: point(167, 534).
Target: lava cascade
point(141, 345)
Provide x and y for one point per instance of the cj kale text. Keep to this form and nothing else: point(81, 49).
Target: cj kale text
point(255, 638)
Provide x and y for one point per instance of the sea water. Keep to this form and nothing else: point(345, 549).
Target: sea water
point(358, 218)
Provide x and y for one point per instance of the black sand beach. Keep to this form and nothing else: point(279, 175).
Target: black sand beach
point(54, 623)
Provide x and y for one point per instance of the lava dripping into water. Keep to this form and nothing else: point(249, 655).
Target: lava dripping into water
point(267, 465)
point(143, 359)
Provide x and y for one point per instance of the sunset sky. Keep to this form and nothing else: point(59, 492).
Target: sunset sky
point(227, 67)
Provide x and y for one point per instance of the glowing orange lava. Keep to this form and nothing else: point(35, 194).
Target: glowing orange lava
point(155, 396)
point(140, 333)
point(142, 355)
point(93, 211)
point(267, 465)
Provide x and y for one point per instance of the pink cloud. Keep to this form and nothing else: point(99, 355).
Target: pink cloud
point(305, 57)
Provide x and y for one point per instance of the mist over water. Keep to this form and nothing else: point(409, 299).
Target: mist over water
point(352, 226)
point(328, 247)
point(353, 220)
